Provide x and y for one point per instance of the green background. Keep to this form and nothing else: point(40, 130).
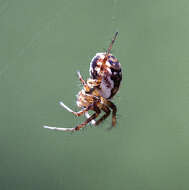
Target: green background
point(42, 45)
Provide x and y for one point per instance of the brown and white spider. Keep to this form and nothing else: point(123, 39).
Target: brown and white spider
point(103, 84)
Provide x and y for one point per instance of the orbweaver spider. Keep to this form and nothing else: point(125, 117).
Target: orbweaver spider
point(103, 84)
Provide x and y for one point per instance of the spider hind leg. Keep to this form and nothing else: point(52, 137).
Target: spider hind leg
point(93, 122)
point(91, 118)
point(107, 113)
point(114, 111)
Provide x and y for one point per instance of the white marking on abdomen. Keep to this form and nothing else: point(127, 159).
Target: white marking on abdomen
point(106, 91)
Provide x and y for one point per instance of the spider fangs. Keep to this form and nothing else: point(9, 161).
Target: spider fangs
point(103, 84)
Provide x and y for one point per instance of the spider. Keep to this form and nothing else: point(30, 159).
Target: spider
point(103, 84)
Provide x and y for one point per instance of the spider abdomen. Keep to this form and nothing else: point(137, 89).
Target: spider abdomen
point(109, 74)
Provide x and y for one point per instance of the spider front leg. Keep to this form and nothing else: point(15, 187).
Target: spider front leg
point(84, 83)
point(78, 127)
point(79, 113)
point(81, 78)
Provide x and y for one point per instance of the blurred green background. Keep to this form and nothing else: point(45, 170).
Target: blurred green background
point(43, 44)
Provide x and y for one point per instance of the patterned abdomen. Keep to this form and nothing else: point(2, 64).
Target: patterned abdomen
point(109, 73)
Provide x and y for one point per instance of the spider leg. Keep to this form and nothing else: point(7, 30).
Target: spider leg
point(87, 116)
point(79, 113)
point(77, 128)
point(114, 111)
point(107, 113)
point(92, 117)
point(58, 128)
point(84, 83)
point(81, 78)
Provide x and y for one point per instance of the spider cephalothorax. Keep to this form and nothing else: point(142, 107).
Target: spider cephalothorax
point(103, 84)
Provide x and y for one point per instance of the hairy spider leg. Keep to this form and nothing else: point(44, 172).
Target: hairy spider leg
point(58, 128)
point(107, 113)
point(95, 115)
point(86, 86)
point(111, 44)
point(81, 78)
point(93, 122)
point(78, 127)
point(107, 53)
point(79, 113)
point(114, 111)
